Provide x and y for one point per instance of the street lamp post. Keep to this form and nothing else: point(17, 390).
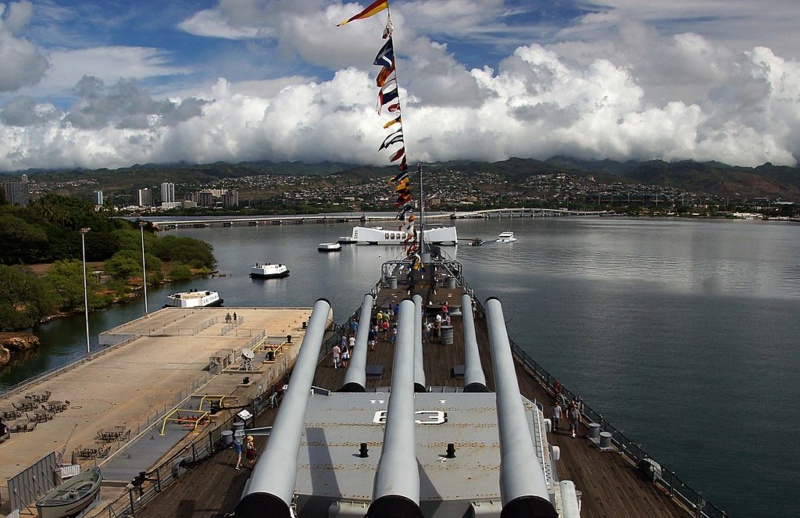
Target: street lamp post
point(144, 267)
point(85, 296)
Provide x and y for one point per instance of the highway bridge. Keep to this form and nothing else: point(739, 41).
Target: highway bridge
point(360, 218)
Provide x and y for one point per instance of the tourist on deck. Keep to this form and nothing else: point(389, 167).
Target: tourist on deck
point(371, 337)
point(345, 357)
point(237, 449)
point(556, 414)
point(250, 450)
point(428, 328)
point(337, 352)
point(574, 418)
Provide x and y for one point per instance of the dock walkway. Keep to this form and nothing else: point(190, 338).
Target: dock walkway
point(168, 357)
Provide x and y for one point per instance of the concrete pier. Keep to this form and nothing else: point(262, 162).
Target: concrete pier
point(158, 362)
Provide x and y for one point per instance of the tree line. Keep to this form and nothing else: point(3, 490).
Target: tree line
point(48, 230)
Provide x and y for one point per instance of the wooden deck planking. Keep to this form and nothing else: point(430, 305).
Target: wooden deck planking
point(609, 484)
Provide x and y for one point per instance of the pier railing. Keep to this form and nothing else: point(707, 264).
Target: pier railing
point(676, 488)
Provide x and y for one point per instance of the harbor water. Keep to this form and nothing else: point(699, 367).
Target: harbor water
point(681, 333)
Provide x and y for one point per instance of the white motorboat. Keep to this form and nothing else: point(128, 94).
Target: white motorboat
point(442, 236)
point(193, 299)
point(329, 247)
point(269, 271)
point(71, 497)
point(346, 240)
point(506, 237)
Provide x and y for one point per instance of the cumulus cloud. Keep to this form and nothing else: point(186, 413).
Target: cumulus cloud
point(27, 111)
point(622, 80)
point(21, 62)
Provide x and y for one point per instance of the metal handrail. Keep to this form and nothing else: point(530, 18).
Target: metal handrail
point(677, 488)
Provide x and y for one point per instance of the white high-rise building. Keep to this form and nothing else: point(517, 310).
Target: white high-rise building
point(97, 197)
point(167, 192)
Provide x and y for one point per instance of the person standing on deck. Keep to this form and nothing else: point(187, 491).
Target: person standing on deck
point(556, 414)
point(237, 449)
point(371, 337)
point(336, 352)
point(574, 418)
point(250, 450)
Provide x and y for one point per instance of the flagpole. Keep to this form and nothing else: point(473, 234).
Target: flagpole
point(388, 33)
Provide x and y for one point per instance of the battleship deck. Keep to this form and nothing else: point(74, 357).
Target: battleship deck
point(609, 484)
point(165, 360)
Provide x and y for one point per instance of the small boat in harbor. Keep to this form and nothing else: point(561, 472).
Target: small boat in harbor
point(269, 271)
point(329, 247)
point(506, 237)
point(194, 299)
point(346, 240)
point(71, 497)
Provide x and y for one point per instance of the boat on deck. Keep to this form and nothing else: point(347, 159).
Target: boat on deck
point(269, 271)
point(71, 497)
point(506, 237)
point(194, 299)
point(440, 236)
point(329, 247)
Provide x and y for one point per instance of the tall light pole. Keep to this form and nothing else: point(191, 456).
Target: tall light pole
point(85, 296)
point(144, 267)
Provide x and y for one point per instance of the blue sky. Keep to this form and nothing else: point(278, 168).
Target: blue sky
point(110, 83)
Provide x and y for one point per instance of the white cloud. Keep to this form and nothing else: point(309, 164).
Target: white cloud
point(21, 62)
point(628, 79)
point(212, 23)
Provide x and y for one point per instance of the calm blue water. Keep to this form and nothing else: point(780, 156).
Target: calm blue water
point(682, 333)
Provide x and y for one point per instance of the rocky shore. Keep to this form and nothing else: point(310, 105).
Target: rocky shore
point(16, 343)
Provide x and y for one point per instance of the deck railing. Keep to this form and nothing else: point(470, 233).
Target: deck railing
point(675, 487)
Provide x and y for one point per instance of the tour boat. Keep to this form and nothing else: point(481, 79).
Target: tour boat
point(269, 271)
point(506, 237)
point(194, 299)
point(329, 247)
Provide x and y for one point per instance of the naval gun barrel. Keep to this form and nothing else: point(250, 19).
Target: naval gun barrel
point(474, 379)
point(355, 380)
point(266, 493)
point(419, 362)
point(523, 488)
point(396, 486)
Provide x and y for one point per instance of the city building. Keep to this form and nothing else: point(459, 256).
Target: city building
point(144, 197)
point(17, 193)
point(168, 196)
point(230, 199)
point(97, 197)
point(167, 192)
